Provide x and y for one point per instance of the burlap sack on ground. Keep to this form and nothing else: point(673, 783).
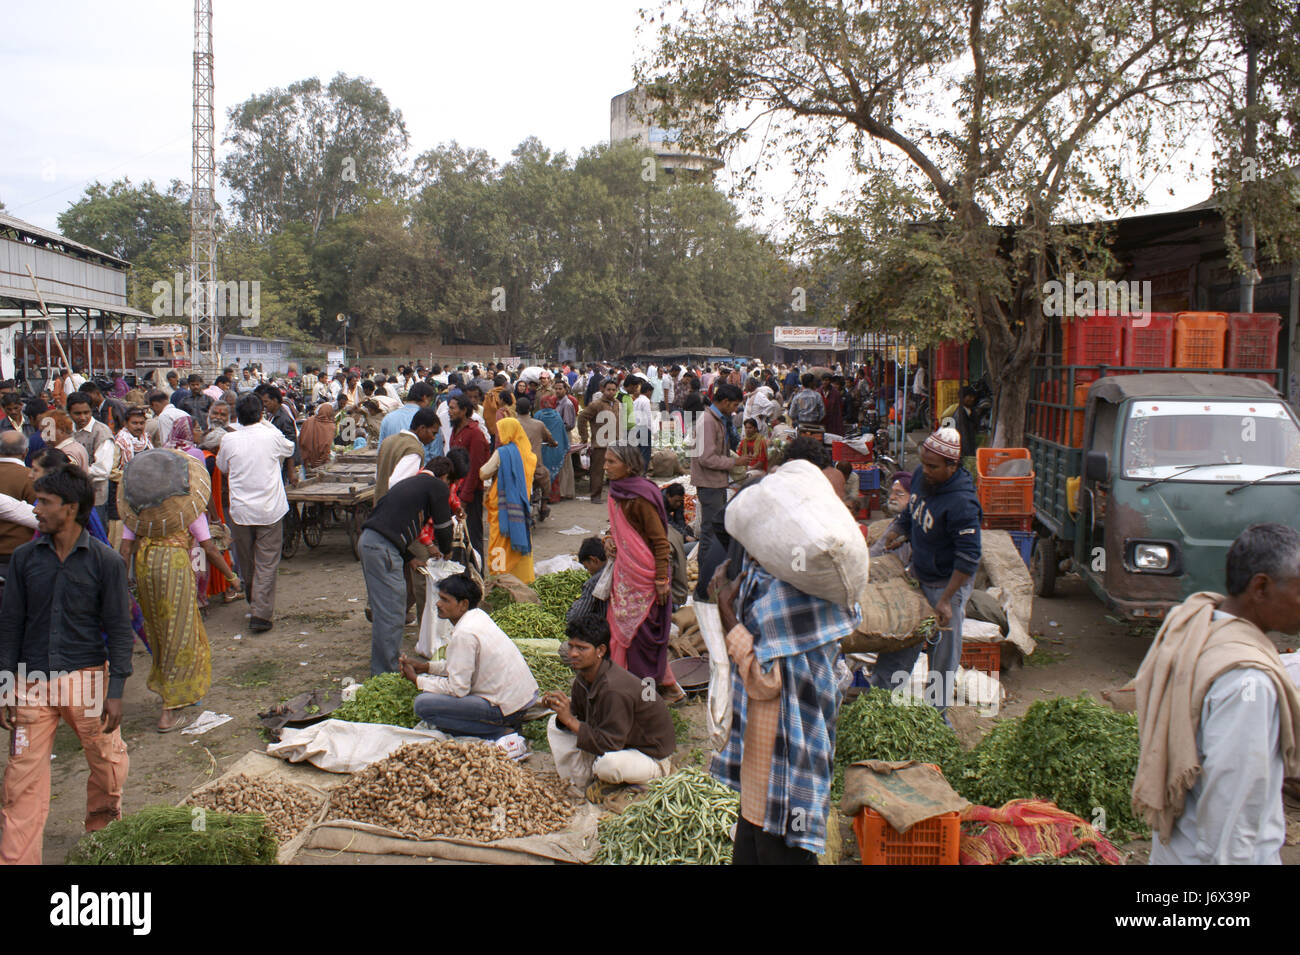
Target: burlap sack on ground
point(665, 464)
point(1003, 573)
point(687, 643)
point(522, 593)
point(887, 567)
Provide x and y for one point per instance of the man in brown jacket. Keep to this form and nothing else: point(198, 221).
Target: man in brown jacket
point(16, 481)
point(711, 466)
point(615, 728)
point(601, 418)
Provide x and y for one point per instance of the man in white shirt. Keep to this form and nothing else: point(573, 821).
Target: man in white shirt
point(97, 438)
point(643, 417)
point(252, 458)
point(1219, 714)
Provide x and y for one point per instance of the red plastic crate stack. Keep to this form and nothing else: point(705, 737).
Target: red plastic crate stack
point(1007, 502)
point(1151, 343)
point(1093, 340)
point(933, 841)
point(951, 360)
point(1252, 342)
point(982, 655)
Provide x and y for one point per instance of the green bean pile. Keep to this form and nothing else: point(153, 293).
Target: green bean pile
point(529, 622)
point(548, 671)
point(685, 820)
point(386, 698)
point(559, 590)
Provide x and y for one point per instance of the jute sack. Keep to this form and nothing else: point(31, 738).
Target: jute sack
point(887, 567)
point(892, 612)
point(665, 464)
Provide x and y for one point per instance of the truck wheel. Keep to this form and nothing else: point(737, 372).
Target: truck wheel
point(1042, 566)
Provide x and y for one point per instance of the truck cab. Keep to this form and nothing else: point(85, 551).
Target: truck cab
point(1171, 468)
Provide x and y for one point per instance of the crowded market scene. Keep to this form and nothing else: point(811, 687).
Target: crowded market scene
point(949, 543)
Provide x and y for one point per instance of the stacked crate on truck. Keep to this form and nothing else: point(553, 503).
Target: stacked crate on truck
point(951, 360)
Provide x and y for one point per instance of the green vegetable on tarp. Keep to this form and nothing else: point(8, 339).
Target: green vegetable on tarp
point(387, 698)
point(1070, 750)
point(179, 835)
point(529, 621)
point(685, 819)
point(878, 725)
point(497, 598)
point(558, 591)
point(544, 661)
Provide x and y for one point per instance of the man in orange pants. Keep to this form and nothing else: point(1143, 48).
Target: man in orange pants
point(62, 590)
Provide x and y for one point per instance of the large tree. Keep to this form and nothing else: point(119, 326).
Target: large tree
point(148, 228)
point(312, 152)
point(979, 130)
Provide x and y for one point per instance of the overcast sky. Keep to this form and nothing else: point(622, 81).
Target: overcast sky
point(99, 91)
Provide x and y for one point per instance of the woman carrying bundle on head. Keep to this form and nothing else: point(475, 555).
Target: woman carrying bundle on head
point(640, 606)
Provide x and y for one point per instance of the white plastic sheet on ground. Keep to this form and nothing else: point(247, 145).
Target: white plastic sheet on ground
point(560, 562)
point(342, 747)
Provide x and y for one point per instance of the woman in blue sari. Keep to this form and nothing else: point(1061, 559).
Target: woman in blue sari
point(557, 457)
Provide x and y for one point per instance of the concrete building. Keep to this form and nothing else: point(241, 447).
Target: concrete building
point(271, 353)
point(629, 120)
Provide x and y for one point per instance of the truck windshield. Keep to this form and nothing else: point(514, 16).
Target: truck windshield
point(1163, 436)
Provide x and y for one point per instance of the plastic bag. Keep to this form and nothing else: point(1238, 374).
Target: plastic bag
point(435, 631)
point(718, 712)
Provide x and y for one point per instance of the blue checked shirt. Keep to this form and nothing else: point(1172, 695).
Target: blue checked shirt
point(800, 634)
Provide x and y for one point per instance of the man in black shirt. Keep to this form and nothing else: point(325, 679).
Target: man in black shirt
point(278, 415)
point(62, 590)
point(196, 403)
point(386, 539)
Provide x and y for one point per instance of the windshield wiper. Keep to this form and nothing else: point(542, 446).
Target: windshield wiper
point(1242, 487)
point(1182, 468)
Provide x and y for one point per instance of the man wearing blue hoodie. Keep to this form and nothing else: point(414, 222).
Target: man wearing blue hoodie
point(942, 523)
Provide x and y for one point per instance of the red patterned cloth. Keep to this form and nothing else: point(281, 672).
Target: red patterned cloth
point(1029, 828)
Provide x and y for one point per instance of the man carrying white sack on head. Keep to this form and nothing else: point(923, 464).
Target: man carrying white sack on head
point(942, 523)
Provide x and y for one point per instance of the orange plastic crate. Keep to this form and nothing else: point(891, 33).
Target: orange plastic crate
point(1003, 495)
point(934, 841)
point(1093, 340)
point(840, 451)
point(1008, 522)
point(951, 359)
point(1076, 417)
point(982, 655)
point(1199, 339)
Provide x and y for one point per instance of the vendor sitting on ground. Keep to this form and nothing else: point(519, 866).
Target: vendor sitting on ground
point(675, 505)
point(483, 686)
point(592, 556)
point(611, 729)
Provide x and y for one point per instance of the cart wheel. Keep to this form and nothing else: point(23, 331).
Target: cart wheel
point(1042, 566)
point(292, 530)
point(360, 514)
point(312, 525)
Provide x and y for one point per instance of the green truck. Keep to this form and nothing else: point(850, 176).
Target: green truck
point(1143, 480)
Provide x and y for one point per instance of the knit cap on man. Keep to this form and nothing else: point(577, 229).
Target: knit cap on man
point(946, 442)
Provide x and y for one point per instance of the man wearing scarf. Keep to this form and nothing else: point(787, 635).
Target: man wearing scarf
point(1219, 715)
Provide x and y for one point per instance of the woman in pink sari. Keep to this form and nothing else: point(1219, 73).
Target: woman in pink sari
point(640, 608)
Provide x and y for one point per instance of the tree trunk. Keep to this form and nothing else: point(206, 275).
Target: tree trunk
point(1010, 356)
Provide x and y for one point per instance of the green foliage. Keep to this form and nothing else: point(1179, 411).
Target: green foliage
point(529, 622)
point(497, 598)
point(535, 732)
point(174, 835)
point(559, 590)
point(386, 698)
point(548, 670)
point(1073, 751)
point(877, 725)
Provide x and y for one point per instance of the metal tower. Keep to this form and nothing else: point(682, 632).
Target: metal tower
point(205, 329)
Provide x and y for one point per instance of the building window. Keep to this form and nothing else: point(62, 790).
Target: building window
point(261, 348)
point(245, 347)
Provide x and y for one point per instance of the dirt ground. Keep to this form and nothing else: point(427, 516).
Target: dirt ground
point(321, 636)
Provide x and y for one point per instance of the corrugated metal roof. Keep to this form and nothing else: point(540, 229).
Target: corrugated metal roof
point(27, 296)
point(36, 232)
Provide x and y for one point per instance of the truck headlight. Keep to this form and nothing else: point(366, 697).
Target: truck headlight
point(1151, 557)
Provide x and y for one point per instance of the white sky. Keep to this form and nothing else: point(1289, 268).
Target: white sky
point(103, 90)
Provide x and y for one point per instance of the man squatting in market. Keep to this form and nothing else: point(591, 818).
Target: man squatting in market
point(1219, 715)
point(941, 523)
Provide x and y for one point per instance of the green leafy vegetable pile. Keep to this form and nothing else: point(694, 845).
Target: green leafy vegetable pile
point(559, 590)
point(529, 622)
point(685, 819)
point(547, 668)
point(386, 698)
point(877, 725)
point(175, 835)
point(1073, 751)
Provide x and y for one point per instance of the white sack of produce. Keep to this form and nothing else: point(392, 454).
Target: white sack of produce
point(435, 631)
point(718, 713)
point(793, 523)
point(338, 746)
point(532, 373)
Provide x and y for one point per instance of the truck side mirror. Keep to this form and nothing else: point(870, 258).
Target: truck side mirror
point(1096, 466)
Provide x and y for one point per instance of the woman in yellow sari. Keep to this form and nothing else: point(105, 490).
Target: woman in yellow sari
point(509, 502)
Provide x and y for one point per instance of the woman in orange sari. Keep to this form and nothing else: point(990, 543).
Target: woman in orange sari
point(640, 606)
